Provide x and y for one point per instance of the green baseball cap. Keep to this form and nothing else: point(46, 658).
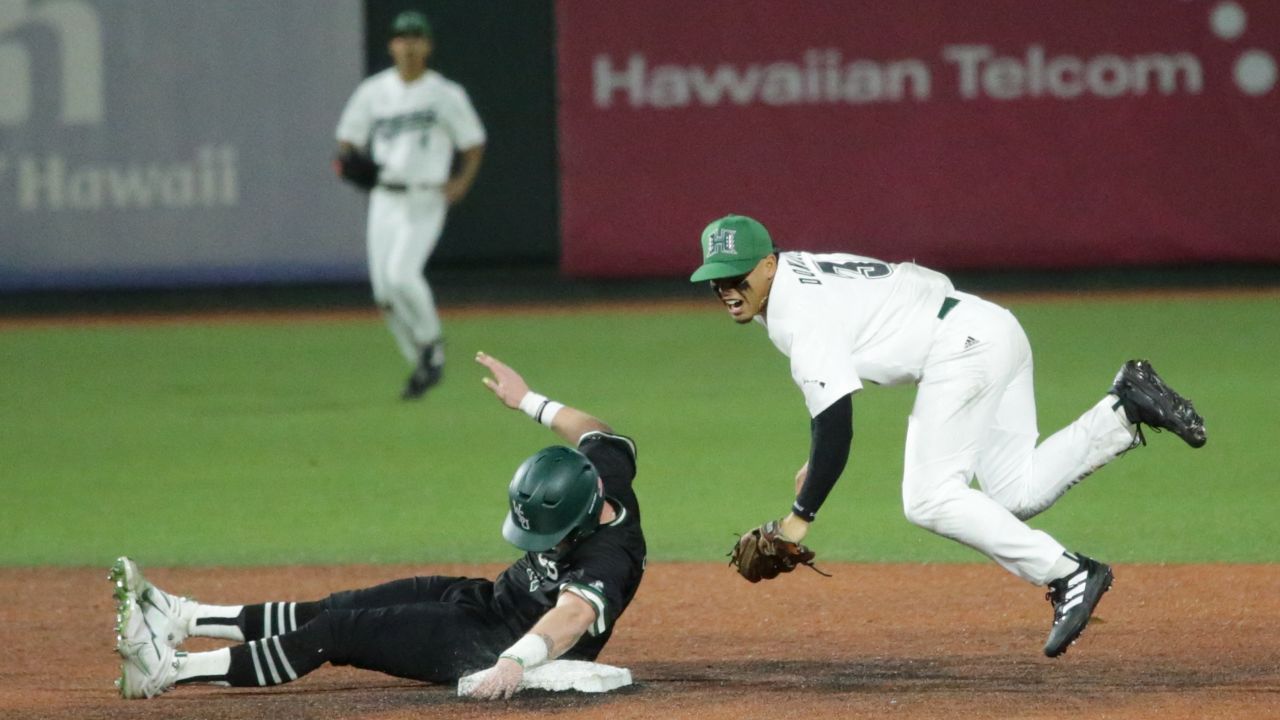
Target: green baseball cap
point(410, 22)
point(732, 246)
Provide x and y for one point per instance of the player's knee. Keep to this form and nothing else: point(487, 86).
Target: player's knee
point(1025, 509)
point(916, 513)
point(403, 284)
point(1017, 503)
point(924, 510)
point(393, 289)
point(327, 634)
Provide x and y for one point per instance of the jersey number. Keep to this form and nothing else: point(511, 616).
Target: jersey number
point(856, 270)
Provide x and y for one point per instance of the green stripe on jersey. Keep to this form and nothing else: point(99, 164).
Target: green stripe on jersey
point(596, 599)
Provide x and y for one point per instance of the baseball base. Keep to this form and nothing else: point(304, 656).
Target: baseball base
point(560, 675)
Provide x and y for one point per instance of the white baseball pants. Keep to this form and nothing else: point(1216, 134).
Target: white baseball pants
point(403, 229)
point(975, 415)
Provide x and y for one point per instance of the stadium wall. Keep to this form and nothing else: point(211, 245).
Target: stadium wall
point(161, 144)
point(964, 135)
point(988, 136)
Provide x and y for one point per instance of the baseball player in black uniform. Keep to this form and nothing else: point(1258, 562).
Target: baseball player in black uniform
point(572, 511)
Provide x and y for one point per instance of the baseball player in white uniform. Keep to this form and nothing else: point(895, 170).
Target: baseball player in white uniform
point(845, 320)
point(410, 120)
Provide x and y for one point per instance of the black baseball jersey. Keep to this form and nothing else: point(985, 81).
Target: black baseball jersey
point(439, 628)
point(605, 570)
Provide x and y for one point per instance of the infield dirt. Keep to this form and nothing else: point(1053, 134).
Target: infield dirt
point(907, 641)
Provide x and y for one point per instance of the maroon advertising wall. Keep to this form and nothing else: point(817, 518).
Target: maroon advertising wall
point(960, 134)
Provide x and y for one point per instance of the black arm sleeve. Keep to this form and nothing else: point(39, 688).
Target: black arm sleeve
point(832, 433)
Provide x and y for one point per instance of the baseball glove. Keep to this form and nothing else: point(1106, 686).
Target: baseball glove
point(764, 554)
point(357, 168)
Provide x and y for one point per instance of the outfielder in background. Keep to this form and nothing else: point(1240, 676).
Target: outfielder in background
point(844, 320)
point(573, 512)
point(397, 138)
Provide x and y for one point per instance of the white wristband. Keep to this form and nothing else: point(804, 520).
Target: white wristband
point(539, 407)
point(531, 403)
point(530, 651)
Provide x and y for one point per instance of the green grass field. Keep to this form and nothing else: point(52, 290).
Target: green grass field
point(284, 441)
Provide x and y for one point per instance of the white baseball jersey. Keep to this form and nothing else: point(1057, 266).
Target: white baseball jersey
point(411, 128)
point(845, 318)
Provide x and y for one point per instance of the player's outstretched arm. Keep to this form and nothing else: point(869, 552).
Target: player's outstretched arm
point(567, 422)
point(548, 639)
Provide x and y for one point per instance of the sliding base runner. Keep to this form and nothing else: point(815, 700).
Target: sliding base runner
point(572, 511)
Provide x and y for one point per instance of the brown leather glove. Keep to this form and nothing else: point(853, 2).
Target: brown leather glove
point(764, 553)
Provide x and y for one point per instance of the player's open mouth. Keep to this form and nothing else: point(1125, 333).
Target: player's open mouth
point(733, 304)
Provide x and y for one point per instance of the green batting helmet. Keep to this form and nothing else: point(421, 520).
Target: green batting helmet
point(555, 496)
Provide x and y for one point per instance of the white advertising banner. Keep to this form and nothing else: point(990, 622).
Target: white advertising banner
point(175, 142)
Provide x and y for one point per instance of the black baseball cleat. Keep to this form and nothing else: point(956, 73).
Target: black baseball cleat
point(1074, 597)
point(1147, 399)
point(423, 379)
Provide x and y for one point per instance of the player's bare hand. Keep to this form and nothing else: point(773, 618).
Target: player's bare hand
point(505, 383)
point(793, 527)
point(500, 682)
point(801, 475)
point(455, 190)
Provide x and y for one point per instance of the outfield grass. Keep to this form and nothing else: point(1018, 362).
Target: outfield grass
point(283, 441)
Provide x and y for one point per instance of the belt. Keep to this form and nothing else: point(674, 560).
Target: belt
point(398, 187)
point(947, 304)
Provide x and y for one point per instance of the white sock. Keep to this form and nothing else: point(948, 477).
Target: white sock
point(213, 664)
point(1063, 566)
point(217, 621)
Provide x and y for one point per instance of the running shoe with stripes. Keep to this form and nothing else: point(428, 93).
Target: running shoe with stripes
point(1074, 598)
point(150, 666)
point(169, 616)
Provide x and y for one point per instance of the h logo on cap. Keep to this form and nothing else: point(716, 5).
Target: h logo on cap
point(721, 242)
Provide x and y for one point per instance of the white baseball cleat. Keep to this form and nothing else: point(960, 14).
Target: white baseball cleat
point(169, 616)
point(150, 666)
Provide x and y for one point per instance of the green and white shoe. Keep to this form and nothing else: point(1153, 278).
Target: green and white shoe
point(169, 616)
point(150, 666)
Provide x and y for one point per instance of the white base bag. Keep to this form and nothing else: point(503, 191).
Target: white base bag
point(560, 675)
